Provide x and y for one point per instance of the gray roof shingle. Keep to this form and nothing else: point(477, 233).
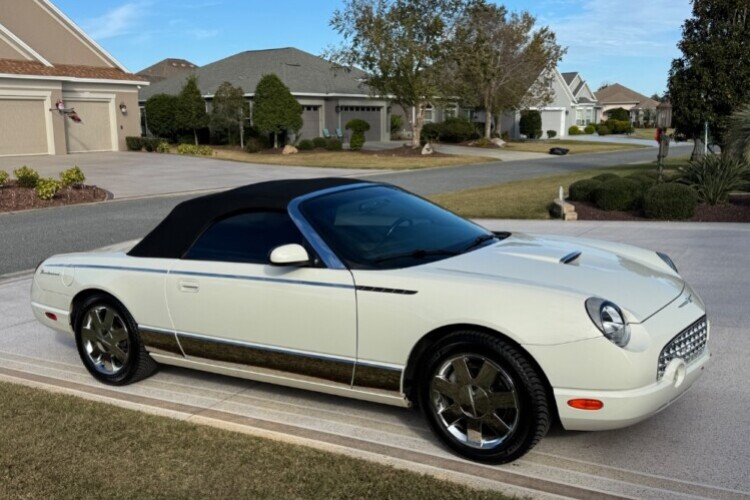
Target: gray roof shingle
point(569, 77)
point(301, 71)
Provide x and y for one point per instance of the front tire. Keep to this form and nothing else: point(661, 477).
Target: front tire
point(483, 398)
point(109, 344)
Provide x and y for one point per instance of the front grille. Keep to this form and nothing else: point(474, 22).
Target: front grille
point(688, 345)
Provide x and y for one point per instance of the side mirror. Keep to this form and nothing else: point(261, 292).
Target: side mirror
point(289, 255)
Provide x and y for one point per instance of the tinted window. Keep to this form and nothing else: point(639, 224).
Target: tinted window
point(248, 237)
point(382, 227)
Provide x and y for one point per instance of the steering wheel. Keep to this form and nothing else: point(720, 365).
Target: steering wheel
point(398, 222)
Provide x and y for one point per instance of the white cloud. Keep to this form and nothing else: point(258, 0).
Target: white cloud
point(119, 21)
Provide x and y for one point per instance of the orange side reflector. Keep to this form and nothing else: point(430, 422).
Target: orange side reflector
point(51, 316)
point(586, 404)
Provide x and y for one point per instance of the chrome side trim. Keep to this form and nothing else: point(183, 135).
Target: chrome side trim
point(259, 278)
point(112, 268)
point(377, 289)
point(321, 247)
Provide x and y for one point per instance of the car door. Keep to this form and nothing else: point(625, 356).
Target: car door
point(230, 306)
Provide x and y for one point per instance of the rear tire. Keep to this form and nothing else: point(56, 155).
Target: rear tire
point(483, 398)
point(109, 343)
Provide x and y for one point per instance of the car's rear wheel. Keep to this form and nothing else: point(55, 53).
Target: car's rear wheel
point(483, 398)
point(109, 344)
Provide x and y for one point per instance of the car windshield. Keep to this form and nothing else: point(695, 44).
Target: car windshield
point(382, 227)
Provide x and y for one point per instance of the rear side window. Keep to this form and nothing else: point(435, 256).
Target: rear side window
point(248, 237)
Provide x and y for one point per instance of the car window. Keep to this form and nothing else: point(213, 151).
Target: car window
point(249, 237)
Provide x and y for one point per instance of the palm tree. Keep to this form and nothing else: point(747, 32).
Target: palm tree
point(738, 135)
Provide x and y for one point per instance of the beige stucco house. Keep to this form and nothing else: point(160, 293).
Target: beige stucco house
point(642, 109)
point(46, 63)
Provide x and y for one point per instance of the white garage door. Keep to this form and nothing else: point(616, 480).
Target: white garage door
point(94, 133)
point(553, 119)
point(23, 129)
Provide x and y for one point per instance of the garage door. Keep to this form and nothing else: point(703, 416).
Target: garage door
point(370, 114)
point(23, 129)
point(553, 120)
point(94, 133)
point(310, 122)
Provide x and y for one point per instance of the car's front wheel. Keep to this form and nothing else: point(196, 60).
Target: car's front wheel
point(483, 398)
point(109, 344)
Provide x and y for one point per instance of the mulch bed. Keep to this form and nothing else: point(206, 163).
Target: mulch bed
point(14, 198)
point(737, 210)
point(404, 150)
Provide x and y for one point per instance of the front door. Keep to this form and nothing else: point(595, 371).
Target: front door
point(230, 306)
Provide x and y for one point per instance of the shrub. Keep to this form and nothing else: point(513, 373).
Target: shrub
point(457, 129)
point(605, 177)
point(483, 142)
point(46, 189)
point(356, 141)
point(713, 177)
point(551, 134)
point(574, 130)
point(334, 145)
point(163, 147)
point(531, 124)
point(619, 114)
point(256, 144)
point(430, 132)
point(151, 143)
point(397, 122)
point(619, 126)
point(161, 111)
point(618, 194)
point(358, 128)
point(305, 145)
point(505, 136)
point(646, 181)
point(72, 177)
point(26, 177)
point(670, 201)
point(602, 130)
point(3, 177)
point(192, 149)
point(319, 142)
point(134, 143)
point(589, 129)
point(584, 189)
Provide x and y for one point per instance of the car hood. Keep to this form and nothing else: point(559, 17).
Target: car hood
point(635, 279)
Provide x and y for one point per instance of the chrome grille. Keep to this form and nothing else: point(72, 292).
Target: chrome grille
point(688, 345)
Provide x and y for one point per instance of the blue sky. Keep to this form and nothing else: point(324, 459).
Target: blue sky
point(626, 41)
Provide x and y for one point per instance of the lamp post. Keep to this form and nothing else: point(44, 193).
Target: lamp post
point(663, 122)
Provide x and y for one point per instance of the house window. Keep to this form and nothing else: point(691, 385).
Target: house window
point(450, 112)
point(429, 115)
point(467, 114)
point(579, 117)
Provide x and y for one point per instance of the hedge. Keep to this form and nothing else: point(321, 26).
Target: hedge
point(305, 145)
point(584, 189)
point(618, 194)
point(670, 201)
point(134, 143)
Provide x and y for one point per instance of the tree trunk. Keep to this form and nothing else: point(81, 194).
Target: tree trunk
point(498, 130)
point(275, 140)
point(697, 149)
point(195, 136)
point(487, 115)
point(416, 127)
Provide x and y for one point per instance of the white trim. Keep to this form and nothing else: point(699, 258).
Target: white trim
point(34, 95)
point(76, 31)
point(97, 97)
point(71, 79)
point(30, 53)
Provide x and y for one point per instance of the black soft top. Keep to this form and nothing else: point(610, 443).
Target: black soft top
point(177, 232)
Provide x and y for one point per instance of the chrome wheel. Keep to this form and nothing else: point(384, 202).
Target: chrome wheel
point(105, 339)
point(475, 400)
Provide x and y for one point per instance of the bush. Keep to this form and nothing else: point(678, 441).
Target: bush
point(574, 130)
point(456, 129)
point(619, 114)
point(670, 201)
point(646, 181)
point(619, 126)
point(26, 177)
point(151, 143)
point(483, 142)
point(257, 144)
point(714, 177)
point(305, 145)
point(505, 136)
point(618, 194)
point(163, 147)
point(46, 189)
point(605, 177)
point(551, 134)
point(3, 177)
point(192, 149)
point(603, 130)
point(334, 145)
point(356, 141)
point(319, 142)
point(589, 129)
point(531, 124)
point(358, 128)
point(134, 143)
point(430, 132)
point(397, 122)
point(584, 189)
point(72, 177)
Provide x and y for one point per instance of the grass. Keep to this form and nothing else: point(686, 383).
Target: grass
point(575, 147)
point(60, 446)
point(646, 133)
point(527, 199)
point(349, 159)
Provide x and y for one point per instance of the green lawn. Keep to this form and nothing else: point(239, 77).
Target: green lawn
point(575, 147)
point(64, 447)
point(527, 199)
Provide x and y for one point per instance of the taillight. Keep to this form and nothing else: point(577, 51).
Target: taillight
point(586, 404)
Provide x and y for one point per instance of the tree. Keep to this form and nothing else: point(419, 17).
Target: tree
point(398, 43)
point(620, 114)
point(738, 135)
point(191, 108)
point(500, 61)
point(161, 110)
point(275, 109)
point(712, 78)
point(229, 111)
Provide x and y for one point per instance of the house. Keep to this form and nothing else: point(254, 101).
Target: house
point(52, 72)
point(167, 69)
point(330, 96)
point(642, 109)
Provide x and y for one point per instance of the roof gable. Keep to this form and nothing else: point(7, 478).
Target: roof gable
point(619, 94)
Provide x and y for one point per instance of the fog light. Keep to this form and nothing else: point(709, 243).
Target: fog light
point(586, 404)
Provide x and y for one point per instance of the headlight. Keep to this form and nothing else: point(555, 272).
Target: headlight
point(667, 261)
point(609, 319)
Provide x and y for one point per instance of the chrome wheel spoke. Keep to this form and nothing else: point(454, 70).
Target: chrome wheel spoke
point(451, 414)
point(119, 334)
point(118, 354)
point(105, 339)
point(501, 400)
point(88, 335)
point(446, 388)
point(474, 431)
point(94, 322)
point(486, 376)
point(109, 318)
point(461, 370)
point(496, 423)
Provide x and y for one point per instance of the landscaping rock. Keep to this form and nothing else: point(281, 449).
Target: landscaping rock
point(427, 149)
point(498, 142)
point(289, 150)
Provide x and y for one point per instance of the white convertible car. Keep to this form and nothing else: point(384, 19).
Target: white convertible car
point(366, 291)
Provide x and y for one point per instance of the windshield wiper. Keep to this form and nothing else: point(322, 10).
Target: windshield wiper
point(416, 254)
point(479, 240)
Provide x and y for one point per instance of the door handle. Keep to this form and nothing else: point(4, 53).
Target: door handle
point(189, 286)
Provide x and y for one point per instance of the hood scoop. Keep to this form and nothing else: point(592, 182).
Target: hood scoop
point(570, 258)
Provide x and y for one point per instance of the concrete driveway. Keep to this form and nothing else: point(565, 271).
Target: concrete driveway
point(697, 448)
point(129, 174)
